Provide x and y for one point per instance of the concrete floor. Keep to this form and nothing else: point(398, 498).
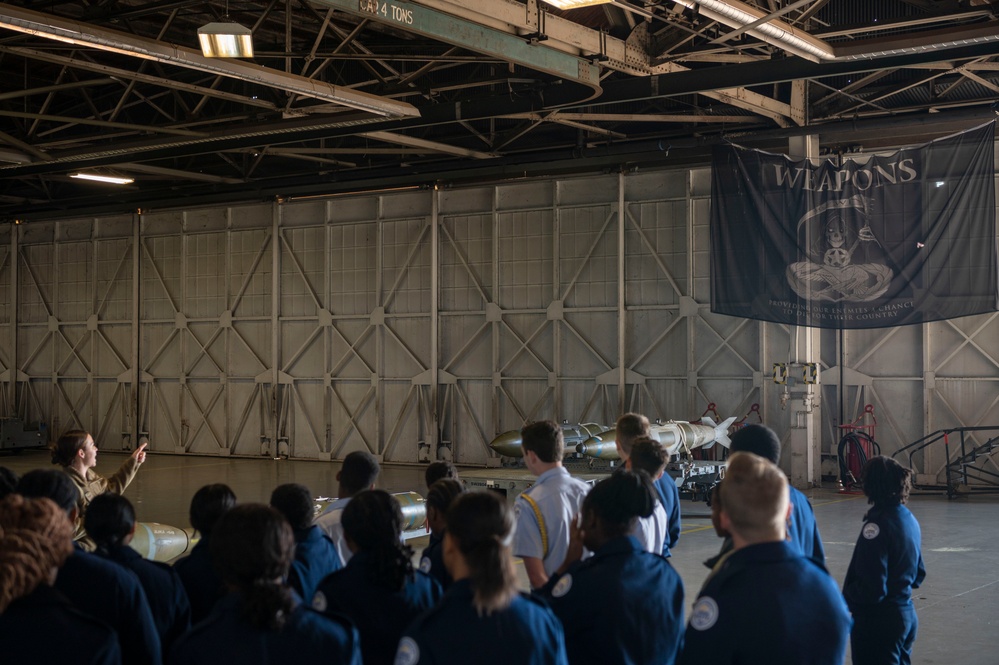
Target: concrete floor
point(958, 604)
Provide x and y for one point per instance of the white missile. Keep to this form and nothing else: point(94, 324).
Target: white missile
point(676, 435)
point(509, 443)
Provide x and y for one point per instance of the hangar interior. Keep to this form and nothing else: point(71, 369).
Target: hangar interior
point(410, 226)
point(407, 227)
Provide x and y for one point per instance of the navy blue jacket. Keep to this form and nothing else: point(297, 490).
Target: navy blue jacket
point(315, 558)
point(167, 599)
point(43, 627)
point(621, 606)
point(802, 529)
point(768, 603)
point(526, 633)
point(307, 638)
point(887, 562)
point(108, 592)
point(380, 614)
point(432, 561)
point(202, 584)
point(669, 495)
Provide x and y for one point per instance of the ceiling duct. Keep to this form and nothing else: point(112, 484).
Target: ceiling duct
point(736, 14)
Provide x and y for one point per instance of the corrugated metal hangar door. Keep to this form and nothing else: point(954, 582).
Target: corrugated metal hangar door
point(419, 324)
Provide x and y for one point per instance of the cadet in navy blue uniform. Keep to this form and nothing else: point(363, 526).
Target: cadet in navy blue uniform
point(629, 428)
point(262, 620)
point(887, 564)
point(802, 530)
point(482, 619)
point(439, 498)
point(545, 511)
point(110, 522)
point(102, 589)
point(378, 589)
point(624, 604)
point(202, 583)
point(766, 602)
point(315, 554)
point(37, 623)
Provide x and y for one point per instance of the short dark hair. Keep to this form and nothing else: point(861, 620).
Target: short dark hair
point(648, 455)
point(757, 439)
point(294, 501)
point(886, 482)
point(359, 472)
point(544, 439)
point(50, 484)
point(438, 470)
point(110, 518)
point(209, 504)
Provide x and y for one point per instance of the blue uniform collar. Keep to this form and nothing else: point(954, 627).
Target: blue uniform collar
point(620, 545)
point(551, 473)
point(765, 553)
point(123, 554)
point(310, 535)
point(461, 590)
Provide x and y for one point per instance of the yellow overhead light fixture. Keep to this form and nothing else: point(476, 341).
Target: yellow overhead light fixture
point(225, 40)
point(576, 4)
point(101, 177)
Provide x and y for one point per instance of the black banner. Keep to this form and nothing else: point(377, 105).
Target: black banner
point(895, 240)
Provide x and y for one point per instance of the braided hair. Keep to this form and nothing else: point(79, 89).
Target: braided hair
point(373, 521)
point(442, 493)
point(35, 537)
point(482, 526)
point(252, 547)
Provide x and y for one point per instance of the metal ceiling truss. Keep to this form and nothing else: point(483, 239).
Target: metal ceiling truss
point(404, 84)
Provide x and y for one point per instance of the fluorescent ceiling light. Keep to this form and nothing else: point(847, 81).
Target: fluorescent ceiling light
point(574, 4)
point(225, 40)
point(98, 177)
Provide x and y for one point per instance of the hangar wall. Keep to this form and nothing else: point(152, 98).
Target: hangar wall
point(307, 327)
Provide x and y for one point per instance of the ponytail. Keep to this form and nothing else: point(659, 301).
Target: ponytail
point(482, 526)
point(373, 521)
point(267, 604)
point(67, 445)
point(252, 547)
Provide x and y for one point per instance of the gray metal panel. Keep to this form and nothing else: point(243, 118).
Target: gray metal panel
point(325, 338)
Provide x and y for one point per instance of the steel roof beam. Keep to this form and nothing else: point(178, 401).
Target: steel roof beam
point(84, 34)
point(473, 35)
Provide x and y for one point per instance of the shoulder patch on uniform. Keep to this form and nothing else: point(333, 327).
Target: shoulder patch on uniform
point(871, 531)
point(425, 564)
point(704, 614)
point(562, 586)
point(319, 602)
point(408, 652)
